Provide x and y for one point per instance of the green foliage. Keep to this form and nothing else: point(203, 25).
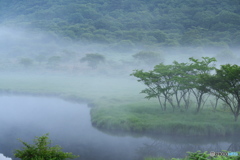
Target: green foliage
point(193, 37)
point(196, 23)
point(205, 156)
point(41, 150)
point(225, 85)
point(167, 82)
point(176, 81)
point(148, 118)
point(200, 156)
point(93, 59)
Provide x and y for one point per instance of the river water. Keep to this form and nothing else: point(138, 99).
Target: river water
point(69, 126)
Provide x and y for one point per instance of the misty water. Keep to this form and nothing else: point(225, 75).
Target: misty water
point(69, 126)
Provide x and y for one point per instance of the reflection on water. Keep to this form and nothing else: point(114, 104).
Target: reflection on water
point(69, 126)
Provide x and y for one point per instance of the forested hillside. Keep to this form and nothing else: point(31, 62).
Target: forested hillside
point(159, 22)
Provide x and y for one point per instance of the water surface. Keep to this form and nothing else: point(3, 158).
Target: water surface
point(69, 126)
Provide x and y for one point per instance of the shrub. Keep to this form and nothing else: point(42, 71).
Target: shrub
point(40, 150)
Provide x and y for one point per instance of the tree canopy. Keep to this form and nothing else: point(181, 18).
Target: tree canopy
point(175, 84)
point(225, 84)
point(166, 23)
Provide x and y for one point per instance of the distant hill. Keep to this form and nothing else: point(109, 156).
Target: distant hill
point(151, 22)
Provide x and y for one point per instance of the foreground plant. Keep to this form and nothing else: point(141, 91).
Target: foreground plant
point(201, 156)
point(41, 150)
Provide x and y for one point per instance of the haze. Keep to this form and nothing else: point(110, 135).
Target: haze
point(84, 51)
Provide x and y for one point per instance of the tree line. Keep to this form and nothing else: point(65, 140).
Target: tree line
point(176, 84)
point(165, 23)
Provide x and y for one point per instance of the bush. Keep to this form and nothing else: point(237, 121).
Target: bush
point(40, 150)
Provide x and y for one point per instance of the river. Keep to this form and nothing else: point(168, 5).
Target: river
point(69, 125)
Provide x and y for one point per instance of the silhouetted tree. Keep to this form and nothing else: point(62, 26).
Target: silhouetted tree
point(93, 59)
point(149, 57)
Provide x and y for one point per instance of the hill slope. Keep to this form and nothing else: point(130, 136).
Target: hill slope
point(161, 22)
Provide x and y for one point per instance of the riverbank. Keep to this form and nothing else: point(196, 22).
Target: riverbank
point(149, 119)
point(118, 106)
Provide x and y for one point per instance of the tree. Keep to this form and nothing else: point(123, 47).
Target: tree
point(41, 150)
point(193, 37)
point(149, 57)
point(160, 84)
point(194, 79)
point(181, 89)
point(159, 35)
point(174, 83)
point(225, 84)
point(93, 59)
point(154, 86)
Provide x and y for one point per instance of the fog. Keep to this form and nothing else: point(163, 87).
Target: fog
point(47, 52)
point(25, 52)
point(69, 125)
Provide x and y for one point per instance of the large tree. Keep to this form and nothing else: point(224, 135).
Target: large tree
point(225, 84)
point(196, 69)
point(159, 83)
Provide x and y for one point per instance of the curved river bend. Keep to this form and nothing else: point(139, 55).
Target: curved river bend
point(69, 126)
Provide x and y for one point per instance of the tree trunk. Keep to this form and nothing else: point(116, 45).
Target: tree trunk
point(159, 100)
point(235, 117)
point(165, 104)
point(187, 100)
point(171, 102)
point(199, 102)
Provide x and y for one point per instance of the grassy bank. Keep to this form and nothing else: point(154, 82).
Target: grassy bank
point(145, 118)
point(119, 106)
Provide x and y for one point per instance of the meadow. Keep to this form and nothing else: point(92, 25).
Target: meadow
point(117, 105)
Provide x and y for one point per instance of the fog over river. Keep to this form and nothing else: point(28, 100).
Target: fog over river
point(69, 126)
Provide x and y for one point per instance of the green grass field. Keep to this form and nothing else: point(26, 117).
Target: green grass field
point(118, 106)
point(149, 119)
